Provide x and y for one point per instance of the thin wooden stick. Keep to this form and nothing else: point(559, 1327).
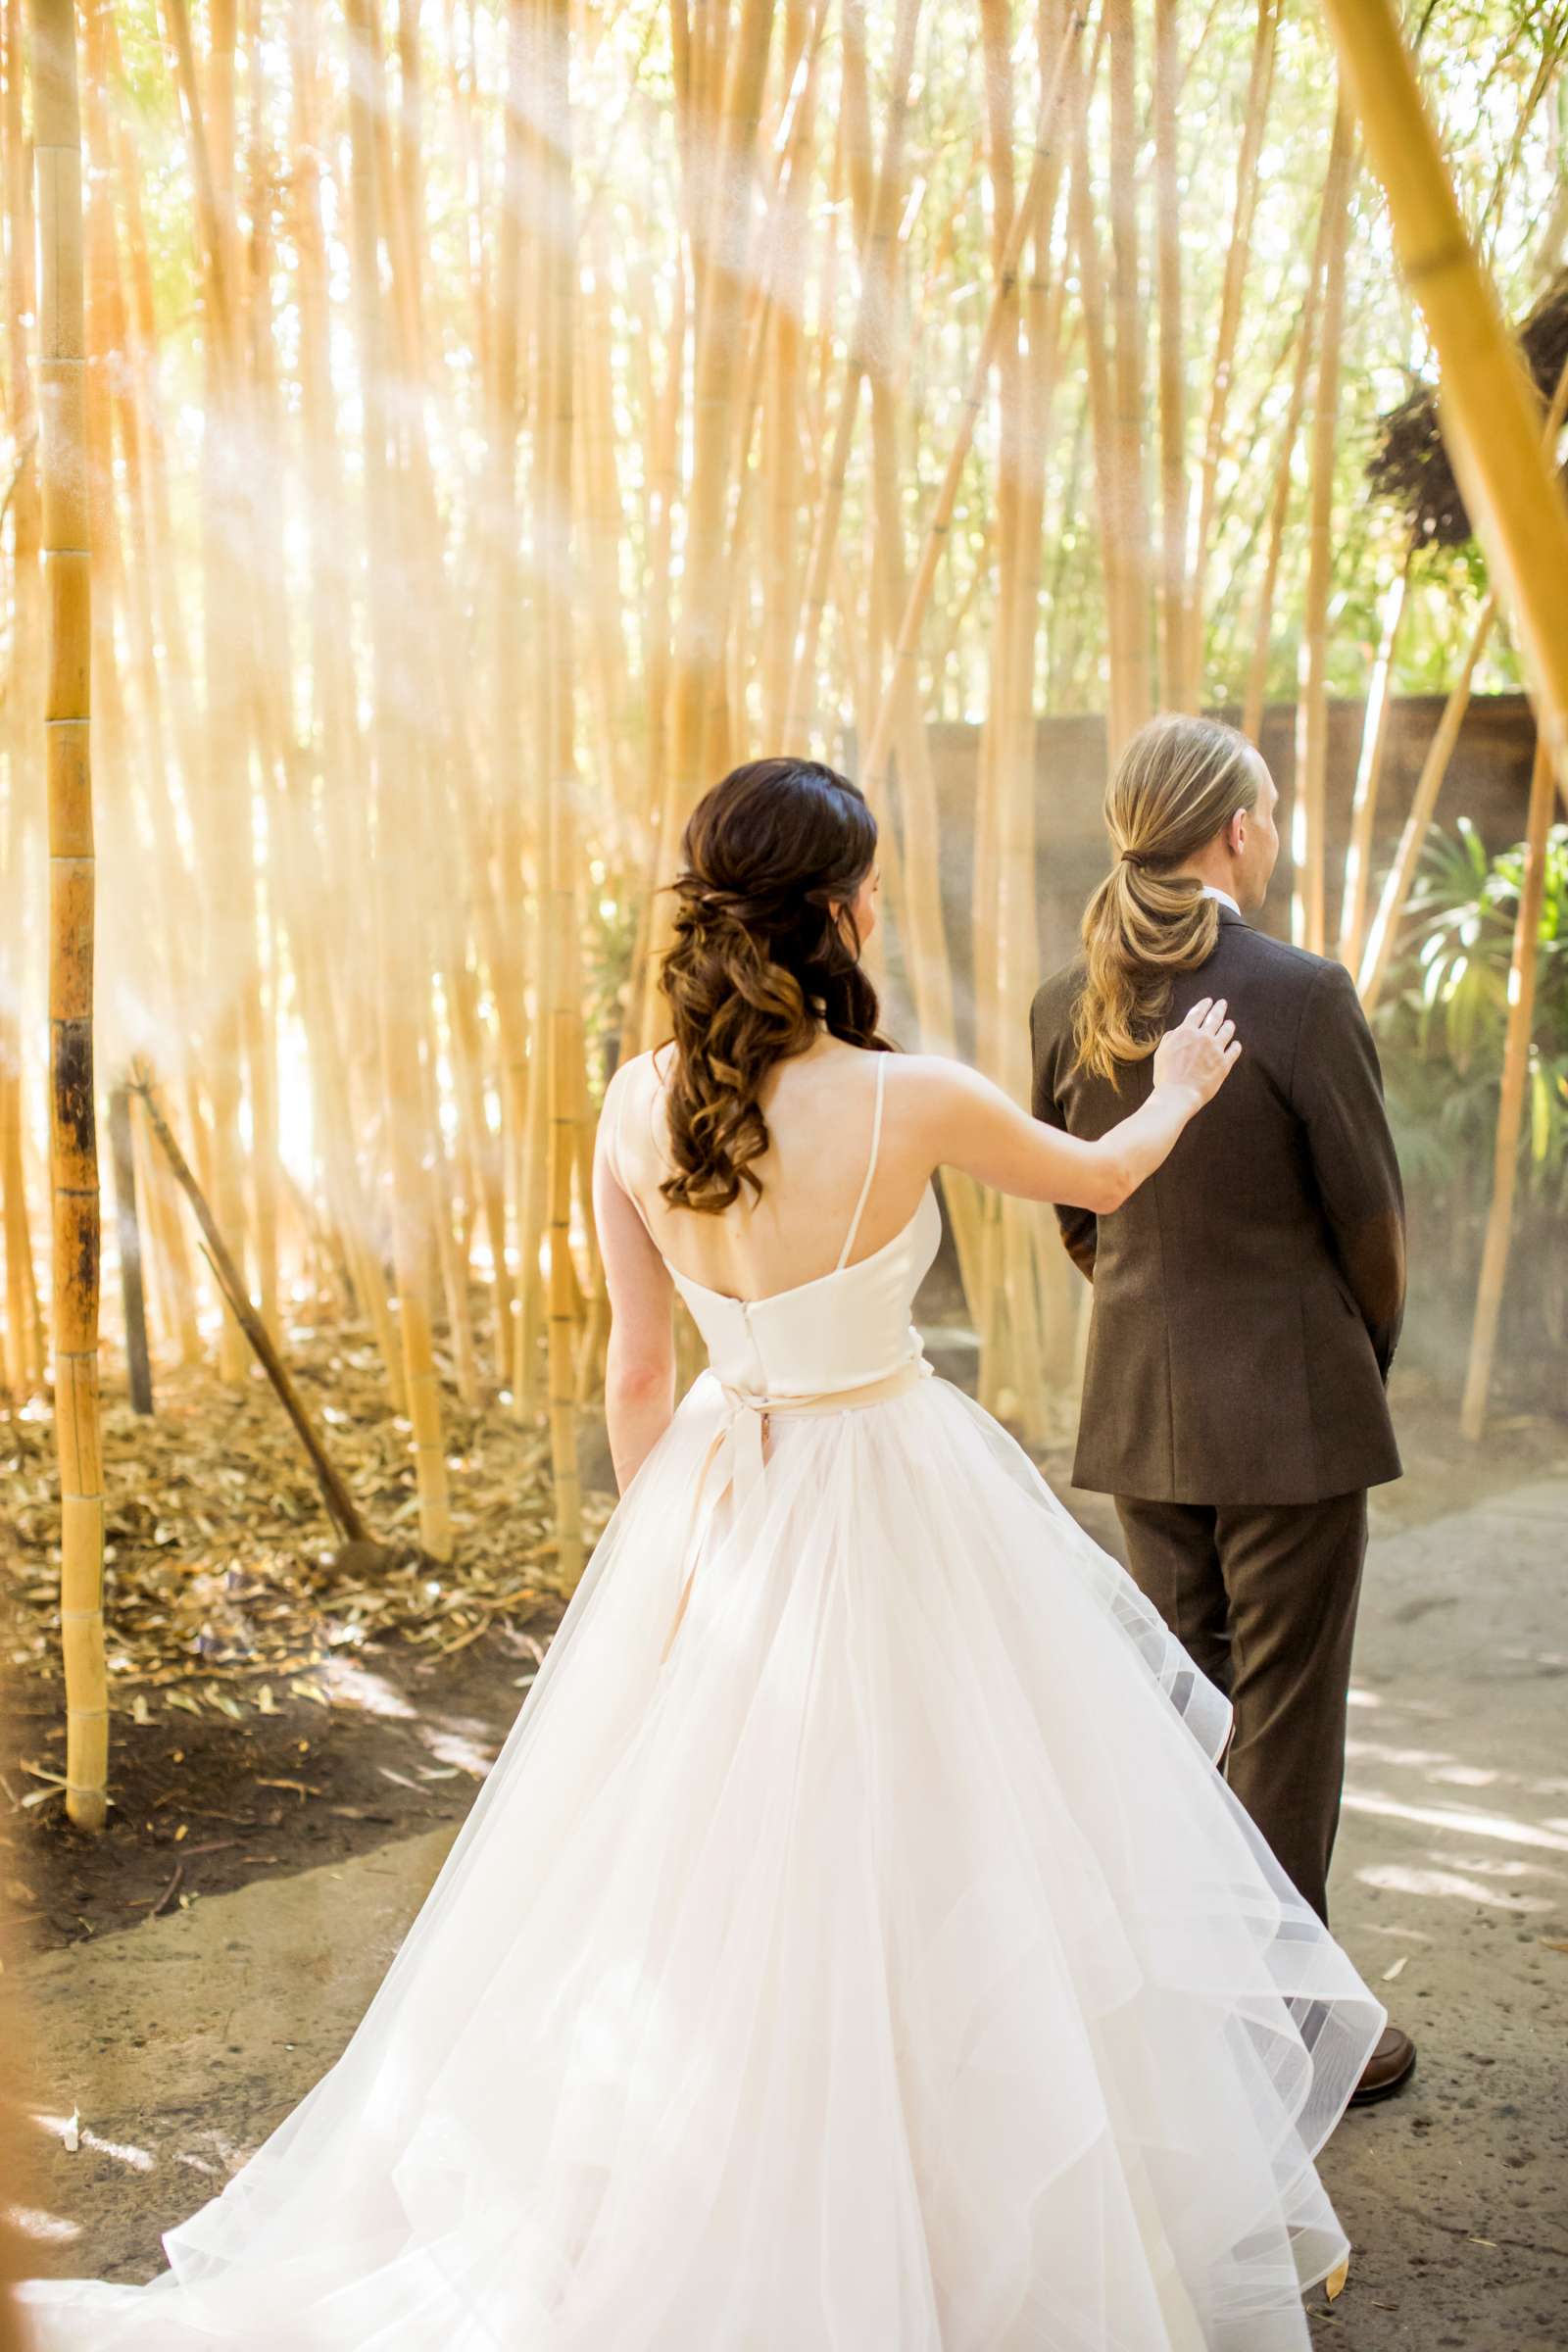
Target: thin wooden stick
point(336, 1495)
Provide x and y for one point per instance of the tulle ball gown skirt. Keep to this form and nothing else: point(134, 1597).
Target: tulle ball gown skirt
point(878, 1965)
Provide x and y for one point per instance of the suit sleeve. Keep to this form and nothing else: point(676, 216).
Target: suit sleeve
point(1080, 1229)
point(1339, 1096)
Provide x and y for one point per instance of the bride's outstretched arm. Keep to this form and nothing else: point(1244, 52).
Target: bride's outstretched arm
point(640, 1361)
point(972, 1124)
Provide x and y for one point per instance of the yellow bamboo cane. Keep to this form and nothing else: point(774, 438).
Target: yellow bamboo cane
point(23, 730)
point(1512, 1101)
point(1369, 768)
point(1378, 950)
point(1129, 506)
point(1025, 217)
point(1221, 377)
point(73, 1153)
point(561, 1027)
point(1308, 821)
point(397, 902)
point(1174, 601)
point(1489, 411)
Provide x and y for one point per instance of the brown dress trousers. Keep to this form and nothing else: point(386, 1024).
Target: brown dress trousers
point(1246, 1304)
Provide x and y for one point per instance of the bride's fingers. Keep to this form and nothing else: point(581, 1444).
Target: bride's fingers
point(1214, 1016)
point(1200, 1014)
point(1225, 1032)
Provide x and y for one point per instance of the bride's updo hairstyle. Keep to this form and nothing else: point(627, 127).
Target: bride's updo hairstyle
point(761, 961)
point(1177, 784)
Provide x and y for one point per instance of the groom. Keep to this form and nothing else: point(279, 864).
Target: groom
point(1247, 1298)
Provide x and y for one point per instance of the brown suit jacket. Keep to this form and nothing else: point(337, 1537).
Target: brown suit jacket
point(1247, 1296)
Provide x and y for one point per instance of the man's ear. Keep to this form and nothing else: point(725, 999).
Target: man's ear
point(1235, 832)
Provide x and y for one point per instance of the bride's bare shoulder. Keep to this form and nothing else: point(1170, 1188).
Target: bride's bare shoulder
point(936, 1077)
point(638, 1076)
point(934, 1089)
point(624, 1114)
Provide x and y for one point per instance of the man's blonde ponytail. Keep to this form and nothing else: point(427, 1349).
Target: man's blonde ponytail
point(1177, 784)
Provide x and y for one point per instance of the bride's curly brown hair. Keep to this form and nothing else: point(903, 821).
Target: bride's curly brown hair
point(765, 956)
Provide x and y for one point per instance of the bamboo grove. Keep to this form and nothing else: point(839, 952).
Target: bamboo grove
point(490, 419)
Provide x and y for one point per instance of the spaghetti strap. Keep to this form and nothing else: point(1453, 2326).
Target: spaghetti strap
point(870, 1167)
point(612, 1155)
point(615, 1125)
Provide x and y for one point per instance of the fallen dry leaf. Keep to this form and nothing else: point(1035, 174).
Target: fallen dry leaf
point(224, 1577)
point(1334, 2283)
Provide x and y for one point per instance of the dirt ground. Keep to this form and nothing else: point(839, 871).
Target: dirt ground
point(184, 1991)
point(279, 1701)
point(397, 1745)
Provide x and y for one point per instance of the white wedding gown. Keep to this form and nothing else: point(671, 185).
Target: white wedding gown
point(886, 1968)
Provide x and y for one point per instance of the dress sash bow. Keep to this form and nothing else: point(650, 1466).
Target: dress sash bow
point(737, 1451)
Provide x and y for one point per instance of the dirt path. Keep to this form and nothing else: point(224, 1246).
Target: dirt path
point(181, 2042)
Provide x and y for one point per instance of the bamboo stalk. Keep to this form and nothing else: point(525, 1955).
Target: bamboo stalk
point(722, 218)
point(561, 1035)
point(21, 721)
point(1128, 504)
point(225, 870)
point(1378, 950)
point(138, 1364)
point(1489, 412)
point(396, 900)
point(1522, 975)
point(1176, 617)
point(1238, 253)
point(870, 334)
point(1024, 221)
point(1369, 768)
point(1308, 819)
point(991, 749)
point(1279, 507)
point(175, 1289)
point(74, 1146)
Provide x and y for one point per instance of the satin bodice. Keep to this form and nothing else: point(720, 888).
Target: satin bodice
point(846, 1330)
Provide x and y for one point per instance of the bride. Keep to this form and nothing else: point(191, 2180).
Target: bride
point(854, 1948)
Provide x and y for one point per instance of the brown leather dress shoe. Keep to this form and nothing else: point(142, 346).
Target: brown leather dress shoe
point(1388, 2069)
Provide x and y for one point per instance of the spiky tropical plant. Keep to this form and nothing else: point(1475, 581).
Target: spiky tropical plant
point(1442, 1030)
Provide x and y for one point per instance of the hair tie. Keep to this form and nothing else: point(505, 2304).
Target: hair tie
point(706, 897)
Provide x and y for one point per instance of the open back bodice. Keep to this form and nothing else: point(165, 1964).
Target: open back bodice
point(847, 1329)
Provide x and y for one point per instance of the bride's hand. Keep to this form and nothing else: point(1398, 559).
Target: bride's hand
point(1200, 1051)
